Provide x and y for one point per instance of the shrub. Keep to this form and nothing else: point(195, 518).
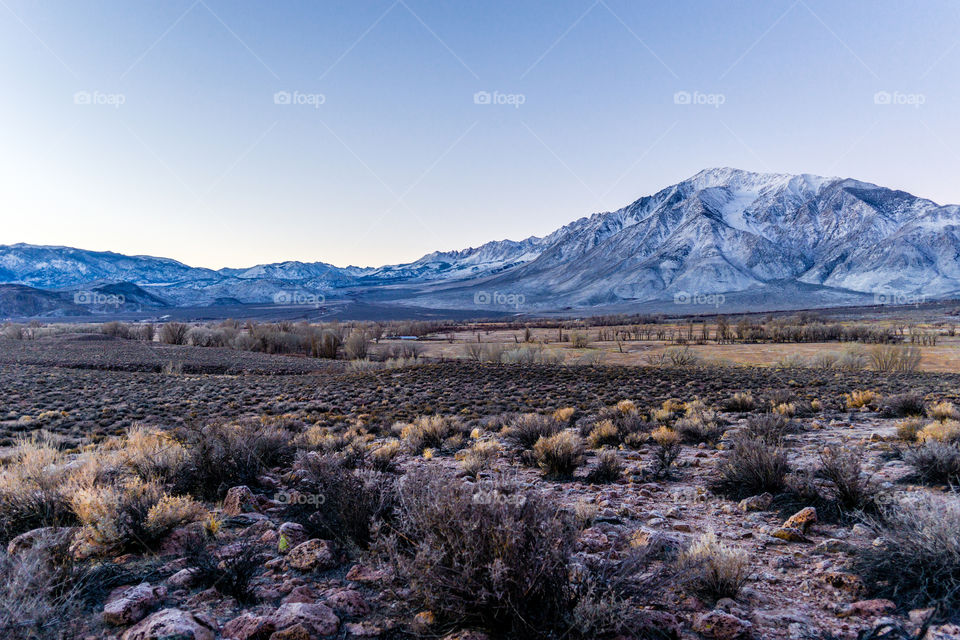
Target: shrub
point(151, 454)
point(33, 490)
point(935, 462)
point(608, 469)
point(224, 455)
point(579, 340)
point(740, 402)
point(909, 428)
point(479, 457)
point(666, 449)
point(500, 564)
point(527, 428)
point(861, 398)
point(174, 333)
point(559, 455)
point(713, 570)
point(681, 356)
point(427, 432)
point(946, 431)
point(604, 434)
point(40, 598)
point(382, 457)
point(850, 489)
point(356, 345)
point(564, 415)
point(753, 467)
point(943, 411)
point(769, 427)
point(229, 573)
point(340, 504)
point(902, 405)
point(918, 563)
point(891, 357)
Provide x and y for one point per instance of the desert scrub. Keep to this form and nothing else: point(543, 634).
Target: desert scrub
point(943, 411)
point(229, 573)
point(605, 433)
point(752, 467)
point(935, 462)
point(34, 490)
point(559, 455)
point(890, 357)
point(383, 457)
point(849, 487)
point(946, 431)
point(524, 430)
point(334, 502)
point(479, 457)
point(609, 467)
point(698, 424)
point(861, 399)
point(131, 516)
point(917, 563)
point(740, 402)
point(151, 454)
point(499, 564)
point(769, 427)
point(712, 569)
point(666, 449)
point(430, 432)
point(902, 405)
point(909, 428)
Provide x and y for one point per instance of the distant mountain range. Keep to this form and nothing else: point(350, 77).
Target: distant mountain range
point(723, 237)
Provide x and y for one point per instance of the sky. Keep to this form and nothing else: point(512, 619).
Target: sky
point(237, 132)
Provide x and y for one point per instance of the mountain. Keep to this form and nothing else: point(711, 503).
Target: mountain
point(765, 240)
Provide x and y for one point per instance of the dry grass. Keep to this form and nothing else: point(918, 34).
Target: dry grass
point(713, 570)
point(559, 455)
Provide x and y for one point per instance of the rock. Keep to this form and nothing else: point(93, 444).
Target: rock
point(943, 632)
point(296, 632)
point(183, 578)
point(790, 534)
point(126, 605)
point(682, 527)
point(291, 534)
point(424, 620)
point(919, 616)
point(314, 554)
point(832, 545)
point(867, 608)
point(240, 500)
point(468, 634)
point(348, 602)
point(248, 627)
point(845, 581)
point(365, 575)
point(756, 503)
point(802, 519)
point(42, 538)
point(593, 540)
point(363, 630)
point(302, 593)
point(317, 619)
point(180, 539)
point(172, 624)
point(721, 626)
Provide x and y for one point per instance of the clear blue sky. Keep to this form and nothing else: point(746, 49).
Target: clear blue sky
point(201, 164)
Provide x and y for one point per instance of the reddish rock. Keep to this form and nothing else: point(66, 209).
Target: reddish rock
point(802, 519)
point(594, 540)
point(42, 538)
point(317, 619)
point(312, 555)
point(303, 593)
point(348, 602)
point(172, 623)
point(846, 581)
point(296, 632)
point(868, 608)
point(360, 573)
point(291, 534)
point(248, 627)
point(240, 500)
point(129, 604)
point(721, 626)
point(756, 503)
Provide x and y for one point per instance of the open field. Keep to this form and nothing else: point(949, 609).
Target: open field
point(252, 495)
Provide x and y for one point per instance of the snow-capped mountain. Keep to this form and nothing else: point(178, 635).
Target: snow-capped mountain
point(764, 237)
